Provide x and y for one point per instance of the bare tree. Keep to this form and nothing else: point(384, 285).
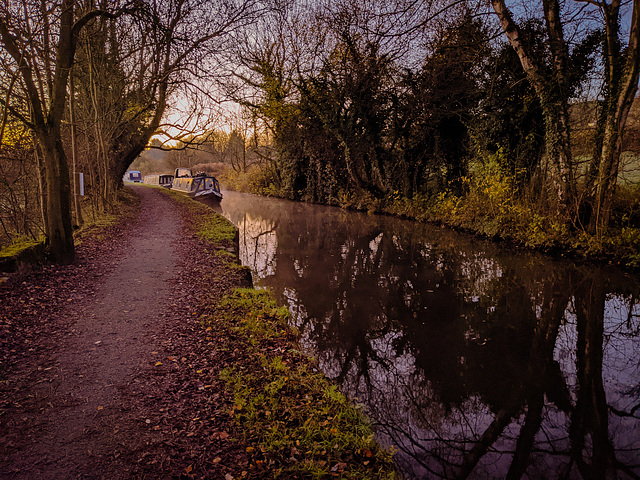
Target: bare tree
point(135, 59)
point(138, 69)
point(29, 32)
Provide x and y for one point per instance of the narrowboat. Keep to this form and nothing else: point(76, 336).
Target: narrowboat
point(132, 176)
point(199, 185)
point(159, 180)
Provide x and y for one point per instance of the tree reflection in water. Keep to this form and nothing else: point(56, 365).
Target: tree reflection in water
point(472, 361)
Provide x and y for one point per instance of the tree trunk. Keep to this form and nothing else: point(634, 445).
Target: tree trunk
point(74, 152)
point(606, 180)
point(552, 95)
point(558, 150)
point(621, 87)
point(58, 196)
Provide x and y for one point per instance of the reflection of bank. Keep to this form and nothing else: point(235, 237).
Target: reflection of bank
point(258, 245)
point(472, 363)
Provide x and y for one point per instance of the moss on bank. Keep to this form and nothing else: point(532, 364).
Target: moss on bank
point(19, 252)
point(294, 420)
point(17, 247)
point(208, 226)
point(300, 422)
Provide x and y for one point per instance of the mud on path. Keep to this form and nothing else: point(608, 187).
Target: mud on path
point(100, 359)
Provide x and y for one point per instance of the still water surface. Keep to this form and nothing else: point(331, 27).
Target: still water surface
point(472, 360)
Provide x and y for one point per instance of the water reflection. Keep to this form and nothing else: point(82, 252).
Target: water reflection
point(474, 362)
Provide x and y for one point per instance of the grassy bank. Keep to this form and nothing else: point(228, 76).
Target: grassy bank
point(294, 421)
point(493, 207)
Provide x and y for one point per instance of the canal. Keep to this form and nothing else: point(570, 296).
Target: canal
point(473, 360)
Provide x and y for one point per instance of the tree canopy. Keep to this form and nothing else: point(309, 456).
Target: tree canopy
point(339, 98)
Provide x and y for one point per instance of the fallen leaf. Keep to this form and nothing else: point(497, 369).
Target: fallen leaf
point(338, 467)
point(188, 469)
point(158, 364)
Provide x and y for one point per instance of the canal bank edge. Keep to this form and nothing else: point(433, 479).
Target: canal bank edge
point(295, 422)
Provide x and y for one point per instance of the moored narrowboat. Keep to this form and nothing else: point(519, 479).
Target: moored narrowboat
point(198, 186)
point(132, 176)
point(163, 180)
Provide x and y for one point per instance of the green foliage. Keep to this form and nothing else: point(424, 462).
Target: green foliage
point(256, 179)
point(510, 124)
point(493, 207)
point(437, 109)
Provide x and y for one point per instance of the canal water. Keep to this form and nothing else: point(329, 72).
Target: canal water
point(473, 360)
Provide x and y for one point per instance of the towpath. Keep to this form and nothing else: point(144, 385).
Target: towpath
point(99, 358)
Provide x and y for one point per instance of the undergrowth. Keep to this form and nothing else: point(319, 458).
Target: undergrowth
point(97, 227)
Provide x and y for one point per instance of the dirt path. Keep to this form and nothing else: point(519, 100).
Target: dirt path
point(111, 393)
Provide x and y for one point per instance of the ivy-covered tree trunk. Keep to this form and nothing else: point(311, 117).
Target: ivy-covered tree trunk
point(553, 95)
point(605, 178)
point(558, 151)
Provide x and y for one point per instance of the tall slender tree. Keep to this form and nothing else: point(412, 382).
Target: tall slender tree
point(549, 78)
point(621, 74)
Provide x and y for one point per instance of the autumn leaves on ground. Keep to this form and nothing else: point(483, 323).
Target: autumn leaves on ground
point(150, 357)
